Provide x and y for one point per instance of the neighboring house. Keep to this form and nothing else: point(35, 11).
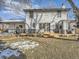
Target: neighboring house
point(11, 25)
point(41, 20)
point(73, 26)
point(63, 26)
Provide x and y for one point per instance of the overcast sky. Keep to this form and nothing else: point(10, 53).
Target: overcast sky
point(39, 4)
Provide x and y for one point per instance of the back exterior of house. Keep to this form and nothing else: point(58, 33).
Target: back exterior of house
point(40, 20)
point(47, 20)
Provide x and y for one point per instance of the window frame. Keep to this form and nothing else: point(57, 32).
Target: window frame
point(31, 15)
point(58, 13)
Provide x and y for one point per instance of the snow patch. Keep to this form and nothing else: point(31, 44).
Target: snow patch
point(24, 45)
point(8, 52)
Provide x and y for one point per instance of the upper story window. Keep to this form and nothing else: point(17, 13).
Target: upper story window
point(58, 13)
point(34, 25)
point(31, 14)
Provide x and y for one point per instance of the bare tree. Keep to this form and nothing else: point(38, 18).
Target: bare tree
point(16, 6)
point(37, 20)
point(75, 9)
point(76, 12)
point(2, 4)
point(22, 4)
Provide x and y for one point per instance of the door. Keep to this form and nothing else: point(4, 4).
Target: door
point(47, 27)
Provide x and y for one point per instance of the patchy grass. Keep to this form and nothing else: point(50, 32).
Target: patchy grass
point(51, 48)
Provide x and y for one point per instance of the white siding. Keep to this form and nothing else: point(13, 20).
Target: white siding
point(46, 17)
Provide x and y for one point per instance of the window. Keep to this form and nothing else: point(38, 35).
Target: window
point(31, 14)
point(41, 25)
point(45, 26)
point(77, 24)
point(34, 25)
point(59, 14)
point(20, 26)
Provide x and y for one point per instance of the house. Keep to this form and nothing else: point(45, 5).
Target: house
point(73, 26)
point(49, 20)
point(40, 20)
point(10, 25)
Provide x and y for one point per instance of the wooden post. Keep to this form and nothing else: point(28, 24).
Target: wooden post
point(65, 32)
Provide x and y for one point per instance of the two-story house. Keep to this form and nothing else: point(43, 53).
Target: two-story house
point(41, 20)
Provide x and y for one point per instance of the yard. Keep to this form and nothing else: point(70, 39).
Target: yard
point(50, 48)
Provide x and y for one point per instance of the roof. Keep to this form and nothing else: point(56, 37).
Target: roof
point(47, 10)
point(12, 21)
point(72, 21)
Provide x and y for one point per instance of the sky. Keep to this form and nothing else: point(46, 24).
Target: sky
point(53, 3)
point(40, 4)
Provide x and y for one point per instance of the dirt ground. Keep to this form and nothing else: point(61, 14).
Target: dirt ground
point(50, 48)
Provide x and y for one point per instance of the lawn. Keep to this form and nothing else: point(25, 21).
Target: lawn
point(51, 48)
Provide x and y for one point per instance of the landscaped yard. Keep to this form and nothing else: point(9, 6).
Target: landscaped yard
point(51, 48)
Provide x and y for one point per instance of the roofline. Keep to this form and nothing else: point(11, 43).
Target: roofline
point(11, 21)
point(46, 10)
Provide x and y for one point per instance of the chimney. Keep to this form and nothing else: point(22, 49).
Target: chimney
point(63, 6)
